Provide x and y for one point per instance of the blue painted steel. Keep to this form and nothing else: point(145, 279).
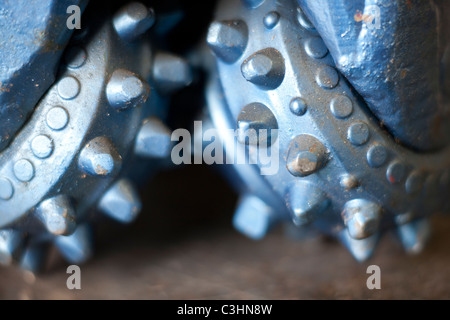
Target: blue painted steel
point(339, 170)
point(98, 125)
point(396, 54)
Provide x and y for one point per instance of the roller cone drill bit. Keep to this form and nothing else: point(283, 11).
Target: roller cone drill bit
point(339, 170)
point(86, 135)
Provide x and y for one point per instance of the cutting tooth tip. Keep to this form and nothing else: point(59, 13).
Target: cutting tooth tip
point(121, 202)
point(58, 215)
point(306, 202)
point(414, 235)
point(133, 20)
point(362, 218)
point(171, 72)
point(264, 68)
point(363, 249)
point(253, 217)
point(126, 90)
point(257, 125)
point(228, 39)
point(306, 155)
point(99, 157)
point(78, 247)
point(153, 139)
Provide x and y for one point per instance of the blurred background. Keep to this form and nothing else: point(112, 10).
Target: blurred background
point(183, 246)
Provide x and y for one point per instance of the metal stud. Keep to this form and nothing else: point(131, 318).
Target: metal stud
point(228, 39)
point(121, 202)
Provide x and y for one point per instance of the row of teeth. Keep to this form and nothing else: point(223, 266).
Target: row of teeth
point(91, 163)
point(125, 92)
point(255, 58)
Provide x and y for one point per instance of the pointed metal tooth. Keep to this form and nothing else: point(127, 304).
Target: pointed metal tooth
point(10, 244)
point(305, 202)
point(78, 247)
point(34, 257)
point(57, 215)
point(99, 157)
point(361, 249)
point(153, 139)
point(121, 202)
point(264, 68)
point(414, 235)
point(253, 217)
point(228, 39)
point(126, 90)
point(405, 218)
point(253, 118)
point(362, 218)
point(306, 155)
point(171, 72)
point(133, 20)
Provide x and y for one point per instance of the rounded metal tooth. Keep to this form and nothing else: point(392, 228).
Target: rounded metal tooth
point(153, 139)
point(257, 125)
point(377, 155)
point(253, 217)
point(34, 257)
point(10, 245)
point(327, 77)
point(6, 189)
point(264, 68)
point(69, 87)
point(121, 202)
point(75, 57)
point(306, 155)
point(306, 202)
point(126, 90)
point(271, 19)
point(362, 218)
point(395, 172)
point(78, 247)
point(58, 215)
point(414, 235)
point(24, 170)
point(315, 48)
point(133, 20)
point(171, 72)
point(99, 157)
point(298, 106)
point(358, 133)
point(228, 39)
point(361, 249)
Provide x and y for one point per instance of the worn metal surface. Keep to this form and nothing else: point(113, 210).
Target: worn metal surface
point(396, 56)
point(86, 138)
point(30, 52)
point(339, 170)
